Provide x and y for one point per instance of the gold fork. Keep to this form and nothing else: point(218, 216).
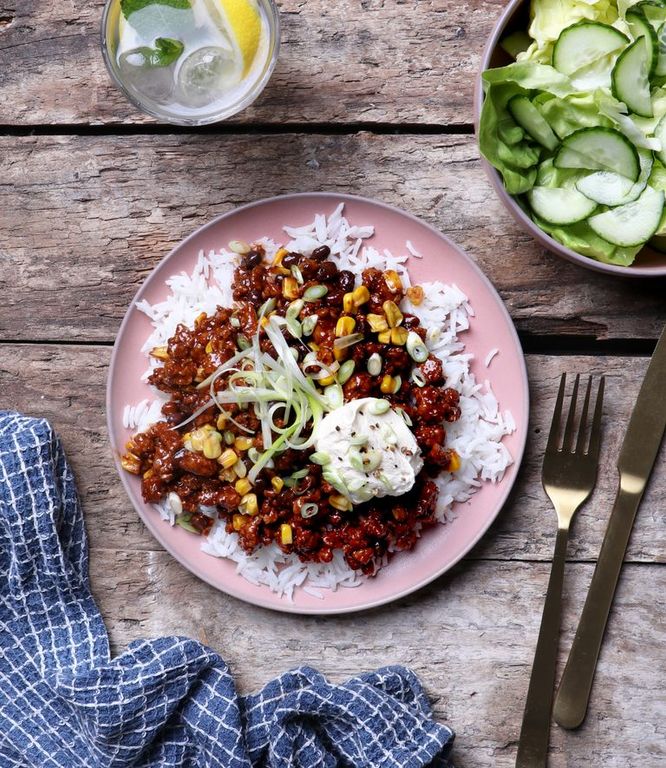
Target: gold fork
point(569, 475)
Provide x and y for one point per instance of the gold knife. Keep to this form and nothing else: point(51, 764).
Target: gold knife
point(637, 457)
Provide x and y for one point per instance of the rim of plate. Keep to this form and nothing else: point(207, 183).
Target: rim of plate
point(521, 218)
point(271, 600)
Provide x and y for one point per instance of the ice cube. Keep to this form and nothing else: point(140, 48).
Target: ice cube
point(156, 83)
point(206, 75)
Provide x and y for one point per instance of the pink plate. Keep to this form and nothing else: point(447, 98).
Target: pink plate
point(441, 546)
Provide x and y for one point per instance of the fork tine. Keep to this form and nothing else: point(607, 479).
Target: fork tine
point(557, 417)
point(595, 434)
point(580, 443)
point(571, 418)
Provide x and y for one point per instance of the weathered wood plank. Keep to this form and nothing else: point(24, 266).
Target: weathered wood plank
point(349, 61)
point(66, 384)
point(472, 651)
point(100, 212)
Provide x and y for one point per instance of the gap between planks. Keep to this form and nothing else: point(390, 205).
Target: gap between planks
point(556, 346)
point(225, 129)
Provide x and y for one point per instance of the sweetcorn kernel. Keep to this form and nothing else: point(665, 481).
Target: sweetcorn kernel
point(387, 385)
point(243, 486)
point(243, 443)
point(348, 303)
point(361, 295)
point(286, 534)
point(345, 326)
point(384, 337)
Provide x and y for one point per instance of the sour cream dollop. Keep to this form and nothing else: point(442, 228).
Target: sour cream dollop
point(369, 450)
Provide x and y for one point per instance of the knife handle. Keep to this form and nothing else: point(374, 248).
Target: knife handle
point(574, 692)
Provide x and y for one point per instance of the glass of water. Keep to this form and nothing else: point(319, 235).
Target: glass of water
point(191, 62)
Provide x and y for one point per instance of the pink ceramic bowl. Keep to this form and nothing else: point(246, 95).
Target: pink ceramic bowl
point(649, 263)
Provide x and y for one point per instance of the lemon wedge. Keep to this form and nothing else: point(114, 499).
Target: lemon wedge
point(244, 26)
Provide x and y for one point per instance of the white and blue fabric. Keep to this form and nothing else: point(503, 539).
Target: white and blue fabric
point(65, 703)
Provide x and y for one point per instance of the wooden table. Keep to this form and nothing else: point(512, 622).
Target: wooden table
point(372, 97)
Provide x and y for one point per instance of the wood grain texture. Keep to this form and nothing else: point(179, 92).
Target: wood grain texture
point(67, 385)
point(472, 653)
point(403, 61)
point(100, 212)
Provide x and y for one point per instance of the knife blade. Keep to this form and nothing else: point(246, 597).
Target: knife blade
point(637, 457)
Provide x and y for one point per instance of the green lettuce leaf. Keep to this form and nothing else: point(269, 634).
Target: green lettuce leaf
point(514, 157)
point(581, 238)
point(572, 112)
point(558, 178)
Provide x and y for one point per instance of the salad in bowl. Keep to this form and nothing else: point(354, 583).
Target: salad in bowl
point(575, 124)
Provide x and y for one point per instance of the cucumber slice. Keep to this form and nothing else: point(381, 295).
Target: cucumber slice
point(660, 69)
point(630, 78)
point(560, 206)
point(516, 43)
point(532, 121)
point(641, 27)
point(605, 187)
point(585, 42)
point(633, 224)
point(612, 189)
point(599, 149)
point(660, 133)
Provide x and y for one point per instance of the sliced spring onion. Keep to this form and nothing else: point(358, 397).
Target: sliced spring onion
point(184, 522)
point(346, 371)
point(321, 458)
point(296, 272)
point(314, 293)
point(309, 324)
point(379, 406)
point(418, 377)
point(356, 459)
point(405, 416)
point(334, 396)
point(372, 460)
point(239, 246)
point(267, 307)
point(294, 309)
point(242, 341)
point(332, 477)
point(374, 364)
point(347, 341)
point(416, 348)
point(294, 328)
point(309, 509)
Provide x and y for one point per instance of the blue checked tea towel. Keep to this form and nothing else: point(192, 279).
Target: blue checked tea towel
point(64, 703)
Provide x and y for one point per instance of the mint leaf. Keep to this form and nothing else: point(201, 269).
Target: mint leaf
point(165, 52)
point(128, 7)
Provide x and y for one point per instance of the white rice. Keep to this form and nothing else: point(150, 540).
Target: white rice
point(445, 312)
point(491, 356)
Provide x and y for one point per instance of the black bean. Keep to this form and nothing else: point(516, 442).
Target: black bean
point(308, 268)
point(346, 280)
point(290, 259)
point(321, 253)
point(326, 271)
point(252, 259)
